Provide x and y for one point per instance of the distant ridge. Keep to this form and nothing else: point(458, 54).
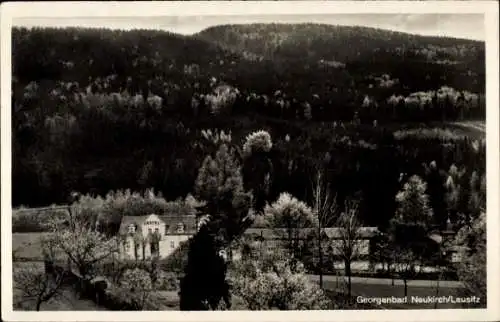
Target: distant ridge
point(335, 26)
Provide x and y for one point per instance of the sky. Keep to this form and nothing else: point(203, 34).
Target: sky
point(469, 26)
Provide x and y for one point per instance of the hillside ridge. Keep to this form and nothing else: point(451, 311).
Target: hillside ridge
point(334, 26)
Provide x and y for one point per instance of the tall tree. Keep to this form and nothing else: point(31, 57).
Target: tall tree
point(410, 225)
point(288, 216)
point(348, 246)
point(257, 167)
point(477, 199)
point(471, 242)
point(226, 210)
point(413, 203)
point(437, 192)
point(454, 191)
point(220, 186)
point(325, 209)
point(404, 260)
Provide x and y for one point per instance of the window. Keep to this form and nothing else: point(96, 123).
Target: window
point(150, 230)
point(131, 228)
point(166, 230)
point(172, 244)
point(157, 231)
point(180, 228)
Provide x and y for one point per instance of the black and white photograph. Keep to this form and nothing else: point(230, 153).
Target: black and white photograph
point(255, 161)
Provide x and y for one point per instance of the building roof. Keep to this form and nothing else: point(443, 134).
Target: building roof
point(332, 233)
point(276, 233)
point(130, 220)
point(171, 222)
point(363, 232)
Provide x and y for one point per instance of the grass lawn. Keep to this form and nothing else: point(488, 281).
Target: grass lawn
point(166, 300)
point(67, 300)
point(27, 246)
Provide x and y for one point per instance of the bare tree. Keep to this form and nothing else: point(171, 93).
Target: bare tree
point(405, 264)
point(348, 246)
point(381, 253)
point(36, 285)
point(80, 242)
point(440, 260)
point(325, 209)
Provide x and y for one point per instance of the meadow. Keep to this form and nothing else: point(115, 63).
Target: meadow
point(27, 246)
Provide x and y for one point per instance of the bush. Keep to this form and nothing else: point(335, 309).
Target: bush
point(136, 283)
point(472, 270)
point(167, 281)
point(117, 300)
point(271, 283)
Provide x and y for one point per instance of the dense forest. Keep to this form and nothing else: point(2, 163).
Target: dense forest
point(97, 110)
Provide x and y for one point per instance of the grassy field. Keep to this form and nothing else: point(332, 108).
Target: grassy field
point(66, 300)
point(27, 246)
point(167, 300)
point(27, 251)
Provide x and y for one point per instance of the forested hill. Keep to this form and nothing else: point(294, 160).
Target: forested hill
point(345, 43)
point(77, 54)
point(242, 54)
point(362, 49)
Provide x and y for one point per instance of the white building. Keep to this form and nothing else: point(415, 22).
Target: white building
point(144, 237)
